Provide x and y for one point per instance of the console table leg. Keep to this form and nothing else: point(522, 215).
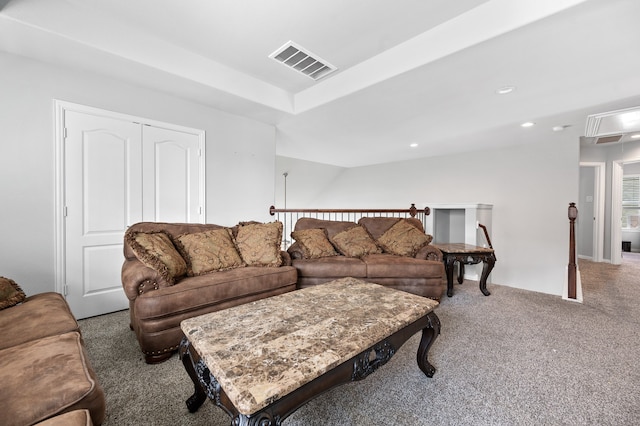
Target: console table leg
point(460, 272)
point(429, 334)
point(488, 264)
point(199, 396)
point(449, 263)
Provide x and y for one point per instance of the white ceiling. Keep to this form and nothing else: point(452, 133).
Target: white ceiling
point(409, 71)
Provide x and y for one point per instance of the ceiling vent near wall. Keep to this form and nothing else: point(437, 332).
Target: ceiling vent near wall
point(608, 139)
point(302, 61)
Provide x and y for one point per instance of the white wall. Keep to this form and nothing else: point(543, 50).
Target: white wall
point(240, 154)
point(530, 187)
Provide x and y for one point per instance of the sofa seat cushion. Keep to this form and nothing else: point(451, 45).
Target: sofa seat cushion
point(40, 315)
point(72, 418)
point(194, 293)
point(47, 377)
point(335, 266)
point(391, 266)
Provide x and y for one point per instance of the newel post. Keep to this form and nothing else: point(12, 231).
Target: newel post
point(573, 214)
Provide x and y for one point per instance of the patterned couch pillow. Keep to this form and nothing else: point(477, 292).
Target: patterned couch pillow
point(314, 243)
point(403, 239)
point(10, 293)
point(355, 242)
point(259, 243)
point(209, 251)
point(156, 250)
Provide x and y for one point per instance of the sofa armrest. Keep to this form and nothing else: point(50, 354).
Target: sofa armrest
point(295, 251)
point(138, 279)
point(286, 259)
point(429, 252)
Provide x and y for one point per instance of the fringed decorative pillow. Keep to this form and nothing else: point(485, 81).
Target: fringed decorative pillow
point(10, 293)
point(209, 251)
point(156, 250)
point(403, 239)
point(355, 242)
point(259, 243)
point(314, 243)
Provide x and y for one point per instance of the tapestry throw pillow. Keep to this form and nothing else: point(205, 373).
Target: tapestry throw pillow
point(259, 243)
point(10, 293)
point(355, 242)
point(314, 243)
point(403, 239)
point(156, 251)
point(209, 251)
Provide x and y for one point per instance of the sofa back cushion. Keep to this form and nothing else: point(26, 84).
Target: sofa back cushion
point(171, 229)
point(376, 226)
point(314, 243)
point(355, 242)
point(403, 239)
point(332, 226)
point(209, 251)
point(10, 293)
point(259, 243)
point(157, 251)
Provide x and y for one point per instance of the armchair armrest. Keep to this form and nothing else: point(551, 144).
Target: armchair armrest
point(138, 279)
point(429, 252)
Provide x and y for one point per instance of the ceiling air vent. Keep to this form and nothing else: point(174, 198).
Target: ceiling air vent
point(301, 60)
point(608, 139)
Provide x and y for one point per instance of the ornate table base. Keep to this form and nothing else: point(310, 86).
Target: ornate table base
point(469, 255)
point(357, 368)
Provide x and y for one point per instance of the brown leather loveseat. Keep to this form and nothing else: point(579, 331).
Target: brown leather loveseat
point(160, 297)
point(390, 251)
point(45, 373)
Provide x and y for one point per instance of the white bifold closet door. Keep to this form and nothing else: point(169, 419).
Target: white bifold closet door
point(118, 172)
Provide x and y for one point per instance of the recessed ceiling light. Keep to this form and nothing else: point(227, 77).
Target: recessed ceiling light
point(528, 124)
point(505, 90)
point(636, 136)
point(414, 145)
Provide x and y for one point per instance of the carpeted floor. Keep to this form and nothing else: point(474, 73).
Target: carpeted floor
point(513, 358)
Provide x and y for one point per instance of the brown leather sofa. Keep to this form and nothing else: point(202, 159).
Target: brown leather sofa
point(420, 273)
point(157, 306)
point(45, 373)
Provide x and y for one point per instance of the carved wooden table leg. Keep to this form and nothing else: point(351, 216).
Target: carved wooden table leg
point(429, 335)
point(199, 396)
point(488, 263)
point(466, 254)
point(460, 272)
point(449, 263)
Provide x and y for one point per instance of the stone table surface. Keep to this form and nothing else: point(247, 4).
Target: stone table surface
point(263, 350)
point(461, 248)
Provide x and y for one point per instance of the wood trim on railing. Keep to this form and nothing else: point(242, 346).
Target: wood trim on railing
point(413, 211)
point(572, 276)
point(486, 235)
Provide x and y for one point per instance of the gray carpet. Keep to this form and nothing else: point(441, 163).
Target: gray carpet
point(513, 358)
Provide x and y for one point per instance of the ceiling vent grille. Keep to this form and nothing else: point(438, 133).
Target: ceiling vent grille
point(608, 139)
point(301, 60)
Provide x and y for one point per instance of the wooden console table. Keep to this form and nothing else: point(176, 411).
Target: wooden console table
point(469, 255)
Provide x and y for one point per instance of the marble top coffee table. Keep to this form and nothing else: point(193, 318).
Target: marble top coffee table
point(263, 360)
